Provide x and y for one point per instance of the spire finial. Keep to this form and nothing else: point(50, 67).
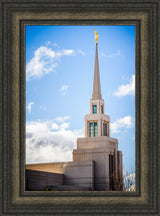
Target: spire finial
point(96, 83)
point(96, 36)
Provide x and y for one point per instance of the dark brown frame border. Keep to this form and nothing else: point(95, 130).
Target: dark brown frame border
point(14, 16)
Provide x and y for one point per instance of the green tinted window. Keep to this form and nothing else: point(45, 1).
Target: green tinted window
point(94, 109)
point(95, 129)
point(104, 129)
point(91, 130)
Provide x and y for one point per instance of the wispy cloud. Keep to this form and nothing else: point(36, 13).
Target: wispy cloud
point(81, 52)
point(127, 89)
point(29, 107)
point(64, 125)
point(43, 107)
point(48, 43)
point(63, 89)
point(48, 141)
point(67, 52)
point(56, 45)
point(112, 55)
point(44, 61)
point(125, 122)
point(54, 126)
point(61, 119)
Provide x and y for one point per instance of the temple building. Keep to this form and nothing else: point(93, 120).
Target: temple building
point(97, 162)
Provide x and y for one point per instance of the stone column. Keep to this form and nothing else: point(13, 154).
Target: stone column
point(86, 132)
point(99, 127)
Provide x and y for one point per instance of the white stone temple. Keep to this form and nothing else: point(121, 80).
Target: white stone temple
point(97, 162)
point(97, 145)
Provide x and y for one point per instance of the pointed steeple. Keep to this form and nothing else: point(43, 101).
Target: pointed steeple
point(96, 83)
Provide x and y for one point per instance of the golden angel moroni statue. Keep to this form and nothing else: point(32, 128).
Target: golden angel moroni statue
point(96, 36)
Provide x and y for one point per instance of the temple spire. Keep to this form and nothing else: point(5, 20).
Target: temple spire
point(96, 83)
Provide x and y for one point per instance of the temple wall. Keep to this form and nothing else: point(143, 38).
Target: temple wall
point(101, 169)
point(38, 180)
point(96, 142)
point(57, 167)
point(80, 173)
point(77, 173)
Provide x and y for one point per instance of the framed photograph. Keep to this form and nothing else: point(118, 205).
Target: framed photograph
point(79, 87)
point(55, 85)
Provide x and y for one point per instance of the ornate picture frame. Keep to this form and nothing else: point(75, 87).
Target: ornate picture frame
point(14, 17)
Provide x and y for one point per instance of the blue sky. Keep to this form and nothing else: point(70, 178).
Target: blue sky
point(59, 82)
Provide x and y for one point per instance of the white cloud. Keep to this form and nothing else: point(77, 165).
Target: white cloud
point(29, 107)
point(44, 62)
point(128, 89)
point(54, 126)
point(64, 125)
point(63, 89)
point(125, 122)
point(67, 52)
point(112, 55)
point(49, 142)
point(61, 119)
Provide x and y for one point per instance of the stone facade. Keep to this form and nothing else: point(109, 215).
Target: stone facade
point(39, 180)
point(42, 181)
point(97, 162)
point(79, 174)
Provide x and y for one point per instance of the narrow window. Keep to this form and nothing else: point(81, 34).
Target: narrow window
point(101, 109)
point(91, 130)
point(104, 129)
point(111, 177)
point(95, 129)
point(94, 109)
